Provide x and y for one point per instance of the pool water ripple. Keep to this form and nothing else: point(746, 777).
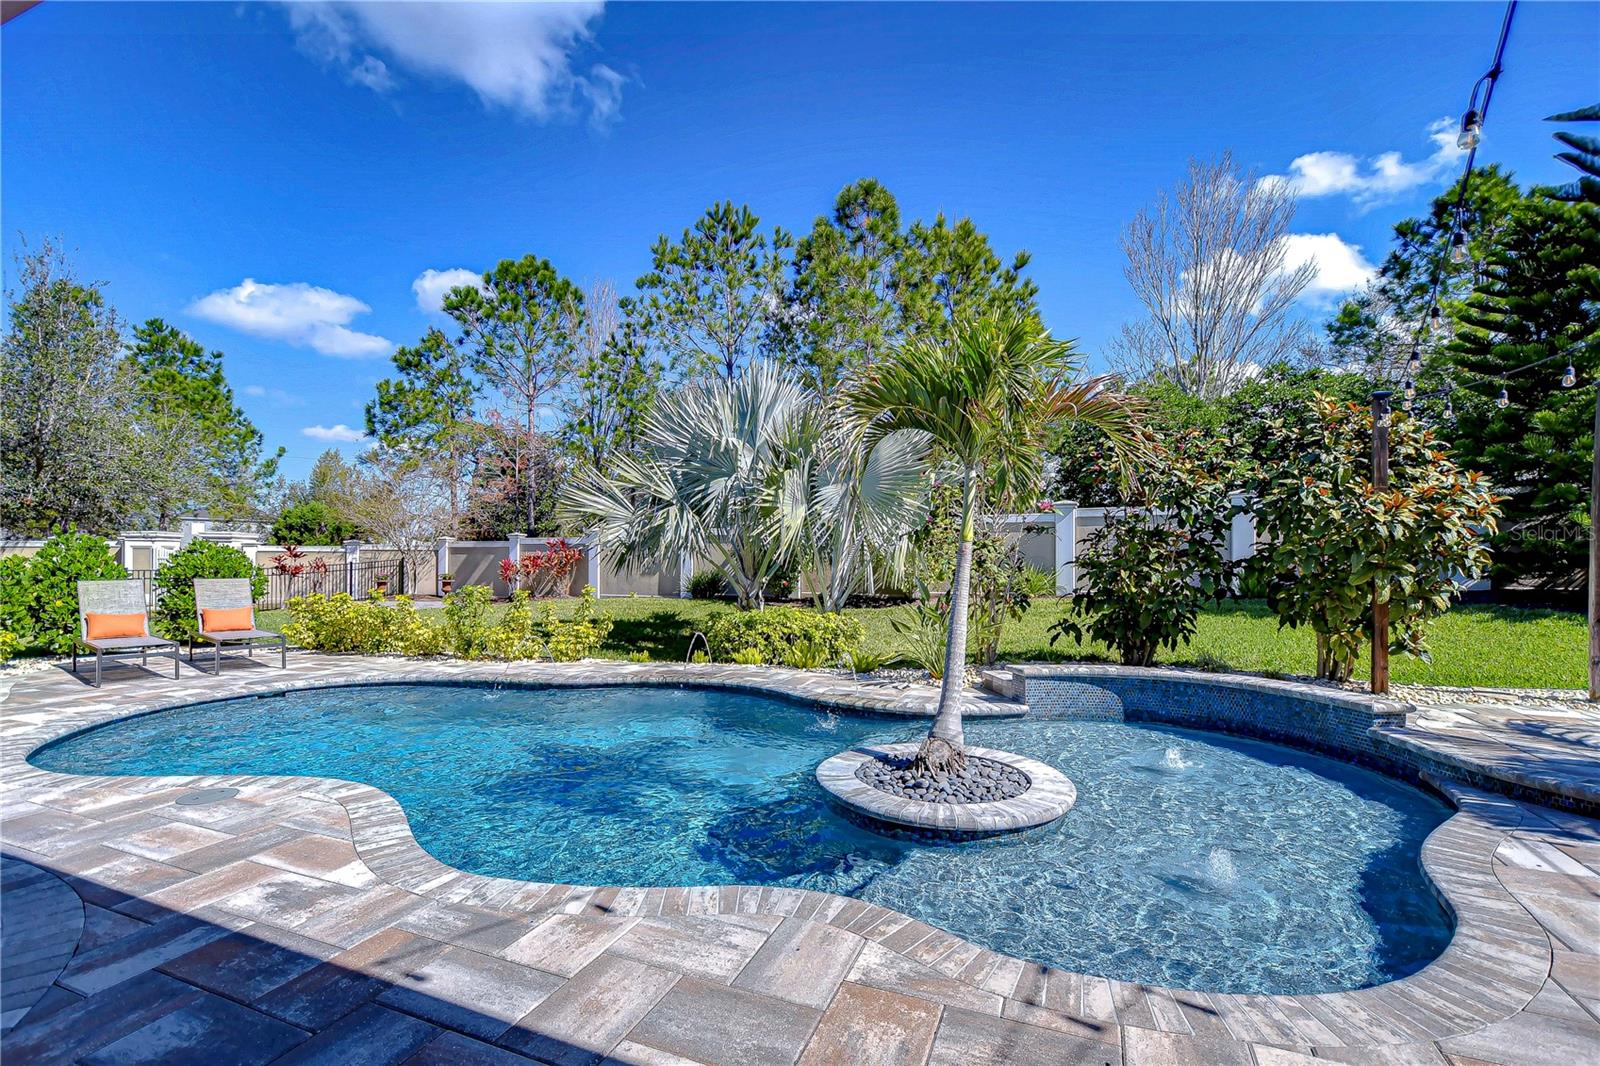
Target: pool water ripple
point(1191, 859)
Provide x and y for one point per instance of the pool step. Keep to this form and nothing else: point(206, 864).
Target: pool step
point(1001, 683)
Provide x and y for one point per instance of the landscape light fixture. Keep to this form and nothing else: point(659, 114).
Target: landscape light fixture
point(1471, 130)
point(1569, 377)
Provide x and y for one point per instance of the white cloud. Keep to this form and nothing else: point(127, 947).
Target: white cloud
point(431, 285)
point(280, 397)
point(517, 56)
point(1374, 179)
point(341, 434)
point(1340, 267)
point(305, 316)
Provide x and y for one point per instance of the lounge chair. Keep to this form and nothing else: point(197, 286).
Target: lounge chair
point(226, 613)
point(114, 623)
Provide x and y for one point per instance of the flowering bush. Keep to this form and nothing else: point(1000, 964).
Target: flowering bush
point(543, 574)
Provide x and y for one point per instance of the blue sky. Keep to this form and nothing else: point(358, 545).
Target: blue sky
point(334, 152)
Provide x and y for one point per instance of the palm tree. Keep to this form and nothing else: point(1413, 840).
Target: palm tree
point(987, 395)
point(753, 472)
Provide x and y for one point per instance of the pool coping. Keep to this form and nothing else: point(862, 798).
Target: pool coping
point(1495, 963)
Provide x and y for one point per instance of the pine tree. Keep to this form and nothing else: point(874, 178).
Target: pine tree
point(1535, 311)
point(182, 386)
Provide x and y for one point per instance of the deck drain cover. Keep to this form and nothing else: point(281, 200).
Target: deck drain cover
point(202, 796)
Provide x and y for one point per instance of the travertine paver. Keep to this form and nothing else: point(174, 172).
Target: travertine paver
point(298, 921)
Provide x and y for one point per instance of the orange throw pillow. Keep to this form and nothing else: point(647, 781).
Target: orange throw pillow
point(110, 626)
point(224, 620)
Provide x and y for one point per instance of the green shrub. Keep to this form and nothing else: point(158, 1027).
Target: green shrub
point(367, 627)
point(1255, 579)
point(467, 628)
point(10, 644)
point(747, 657)
point(173, 616)
point(39, 594)
point(532, 631)
point(808, 653)
point(863, 661)
point(923, 631)
point(1036, 582)
point(1151, 569)
point(580, 636)
point(775, 632)
point(707, 585)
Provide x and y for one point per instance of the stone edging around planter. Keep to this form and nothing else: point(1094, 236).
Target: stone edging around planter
point(1049, 794)
point(1495, 963)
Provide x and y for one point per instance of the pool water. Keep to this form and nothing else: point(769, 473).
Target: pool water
point(1191, 859)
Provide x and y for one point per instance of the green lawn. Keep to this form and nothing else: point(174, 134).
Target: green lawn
point(1484, 646)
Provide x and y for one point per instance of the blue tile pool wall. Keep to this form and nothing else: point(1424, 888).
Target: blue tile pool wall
point(1289, 713)
point(1340, 727)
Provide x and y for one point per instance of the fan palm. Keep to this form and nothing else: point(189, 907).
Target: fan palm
point(987, 395)
point(752, 472)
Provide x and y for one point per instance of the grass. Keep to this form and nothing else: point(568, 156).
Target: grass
point(1490, 647)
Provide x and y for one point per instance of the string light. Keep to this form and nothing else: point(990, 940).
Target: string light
point(1458, 247)
point(1504, 399)
point(1449, 410)
point(1411, 389)
point(1471, 130)
point(1414, 364)
point(1569, 377)
point(1434, 315)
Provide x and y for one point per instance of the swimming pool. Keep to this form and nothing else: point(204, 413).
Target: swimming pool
point(1191, 859)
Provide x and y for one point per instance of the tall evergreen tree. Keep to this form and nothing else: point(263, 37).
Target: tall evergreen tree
point(73, 452)
point(615, 382)
point(428, 410)
point(520, 328)
point(843, 310)
point(182, 386)
point(949, 272)
point(708, 303)
point(1535, 311)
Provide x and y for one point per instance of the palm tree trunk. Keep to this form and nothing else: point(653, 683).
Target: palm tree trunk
point(943, 750)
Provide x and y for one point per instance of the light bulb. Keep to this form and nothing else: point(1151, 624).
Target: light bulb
point(1414, 364)
point(1434, 315)
point(1503, 400)
point(1458, 247)
point(1449, 411)
point(1471, 130)
point(1405, 405)
point(1411, 389)
point(1569, 377)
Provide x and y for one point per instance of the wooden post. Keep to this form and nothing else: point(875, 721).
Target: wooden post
point(1380, 481)
point(1594, 560)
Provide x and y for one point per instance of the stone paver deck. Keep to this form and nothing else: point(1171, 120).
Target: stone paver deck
point(1540, 748)
point(298, 921)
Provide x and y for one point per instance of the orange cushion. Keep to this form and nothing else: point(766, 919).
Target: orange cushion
point(226, 619)
point(107, 626)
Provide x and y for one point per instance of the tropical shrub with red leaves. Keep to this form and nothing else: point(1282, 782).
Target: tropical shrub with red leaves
point(543, 574)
